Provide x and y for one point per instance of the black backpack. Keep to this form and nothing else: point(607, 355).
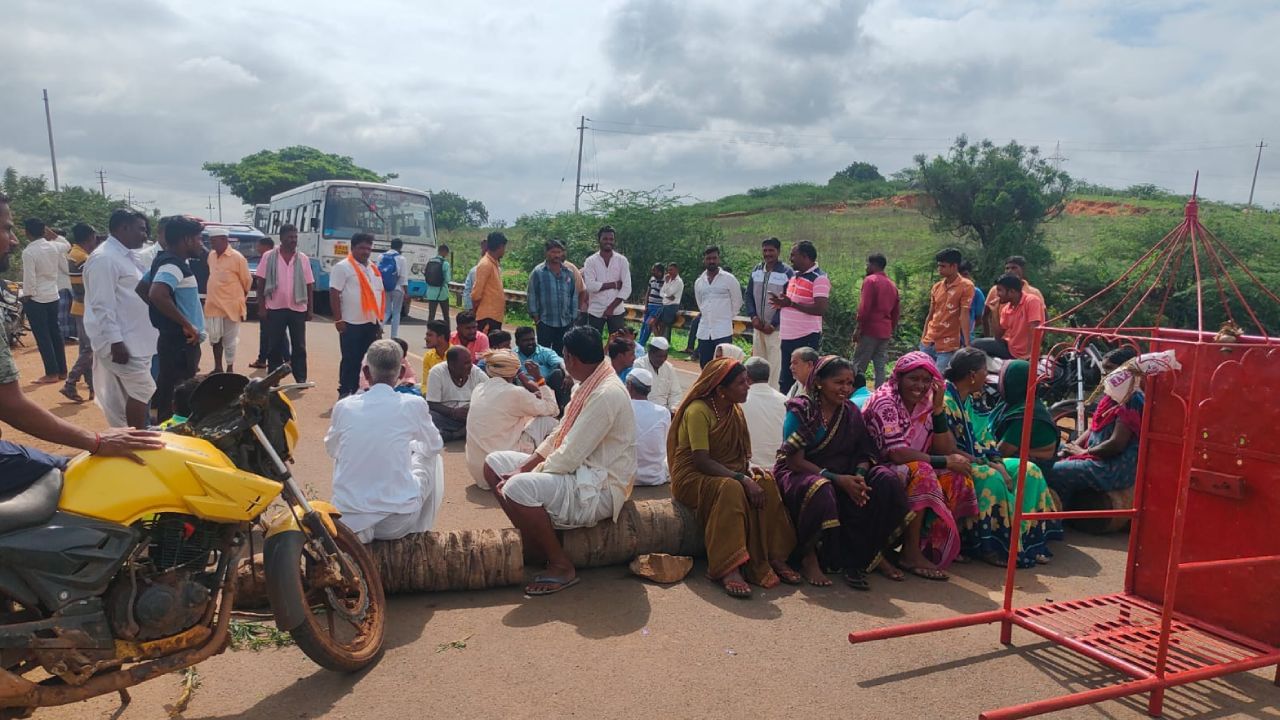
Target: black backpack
point(435, 272)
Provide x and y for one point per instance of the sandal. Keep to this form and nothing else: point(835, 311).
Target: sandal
point(71, 394)
point(857, 580)
point(552, 585)
point(788, 576)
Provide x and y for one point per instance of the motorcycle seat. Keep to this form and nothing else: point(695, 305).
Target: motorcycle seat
point(31, 505)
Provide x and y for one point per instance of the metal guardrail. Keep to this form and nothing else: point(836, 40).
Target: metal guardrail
point(635, 313)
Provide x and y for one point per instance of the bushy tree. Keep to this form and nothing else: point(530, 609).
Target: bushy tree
point(255, 178)
point(453, 211)
point(858, 172)
point(996, 197)
point(30, 196)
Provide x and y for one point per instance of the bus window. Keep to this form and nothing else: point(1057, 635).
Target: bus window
point(302, 218)
point(349, 210)
point(315, 216)
point(275, 222)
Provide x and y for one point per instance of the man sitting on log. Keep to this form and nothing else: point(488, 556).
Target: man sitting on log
point(581, 474)
point(388, 477)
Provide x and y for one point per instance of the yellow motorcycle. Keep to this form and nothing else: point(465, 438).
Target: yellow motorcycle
point(114, 573)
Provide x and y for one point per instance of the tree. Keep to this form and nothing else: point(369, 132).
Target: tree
point(452, 211)
point(255, 178)
point(996, 197)
point(858, 172)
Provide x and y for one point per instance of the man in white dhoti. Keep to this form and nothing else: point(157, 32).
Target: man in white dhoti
point(388, 477)
point(509, 411)
point(581, 474)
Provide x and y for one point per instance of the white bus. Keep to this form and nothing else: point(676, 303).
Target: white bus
point(328, 212)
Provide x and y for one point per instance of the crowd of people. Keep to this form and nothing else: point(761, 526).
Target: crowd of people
point(794, 466)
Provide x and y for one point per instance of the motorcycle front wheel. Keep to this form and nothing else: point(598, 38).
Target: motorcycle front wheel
point(342, 625)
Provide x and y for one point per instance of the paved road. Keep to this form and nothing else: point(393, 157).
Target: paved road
point(618, 647)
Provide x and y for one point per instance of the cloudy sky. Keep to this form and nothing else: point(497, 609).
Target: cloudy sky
point(712, 97)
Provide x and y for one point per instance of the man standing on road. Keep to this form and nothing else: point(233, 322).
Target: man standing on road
point(437, 274)
point(1014, 265)
point(393, 261)
point(581, 474)
point(468, 285)
point(979, 305)
point(359, 302)
point(553, 297)
point(719, 296)
point(653, 303)
point(802, 307)
point(770, 277)
point(117, 321)
point(264, 246)
point(84, 239)
point(607, 275)
point(227, 297)
point(175, 311)
point(42, 264)
point(946, 329)
point(1020, 313)
point(286, 301)
point(878, 313)
point(487, 293)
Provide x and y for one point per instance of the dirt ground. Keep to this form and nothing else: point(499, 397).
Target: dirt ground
point(616, 646)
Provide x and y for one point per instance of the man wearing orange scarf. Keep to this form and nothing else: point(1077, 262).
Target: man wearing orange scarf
point(358, 302)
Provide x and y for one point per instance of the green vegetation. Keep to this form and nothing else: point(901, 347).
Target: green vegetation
point(255, 178)
point(257, 636)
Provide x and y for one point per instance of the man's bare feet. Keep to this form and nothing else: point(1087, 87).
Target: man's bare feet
point(46, 380)
point(735, 585)
point(812, 570)
point(888, 570)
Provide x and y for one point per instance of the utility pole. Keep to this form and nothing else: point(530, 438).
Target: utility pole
point(102, 181)
point(128, 197)
point(1057, 157)
point(53, 156)
point(1254, 184)
point(219, 201)
point(210, 206)
point(577, 183)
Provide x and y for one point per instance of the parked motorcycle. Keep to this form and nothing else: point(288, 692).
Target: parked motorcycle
point(114, 573)
point(12, 316)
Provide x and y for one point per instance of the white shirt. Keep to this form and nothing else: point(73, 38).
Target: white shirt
point(765, 409)
point(595, 274)
point(64, 272)
point(343, 279)
point(440, 387)
point(652, 424)
point(371, 437)
point(499, 413)
point(667, 389)
point(113, 312)
point(402, 269)
point(718, 301)
point(672, 290)
point(41, 263)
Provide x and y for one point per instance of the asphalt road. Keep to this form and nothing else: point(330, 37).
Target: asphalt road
point(616, 646)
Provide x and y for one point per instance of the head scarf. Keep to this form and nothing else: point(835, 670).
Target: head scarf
point(1014, 377)
point(502, 363)
point(811, 383)
point(807, 408)
point(712, 375)
point(890, 422)
point(731, 351)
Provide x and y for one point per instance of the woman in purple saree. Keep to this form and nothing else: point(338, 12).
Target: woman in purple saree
point(846, 512)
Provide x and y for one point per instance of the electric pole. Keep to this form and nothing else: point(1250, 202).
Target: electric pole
point(210, 206)
point(577, 183)
point(219, 201)
point(128, 197)
point(48, 123)
point(1254, 184)
point(1057, 157)
point(102, 181)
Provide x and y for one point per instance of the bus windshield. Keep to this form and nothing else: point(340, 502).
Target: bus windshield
point(349, 210)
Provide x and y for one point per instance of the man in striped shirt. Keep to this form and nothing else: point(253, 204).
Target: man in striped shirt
point(83, 240)
point(802, 308)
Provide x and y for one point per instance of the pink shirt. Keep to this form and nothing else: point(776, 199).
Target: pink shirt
point(282, 298)
point(803, 288)
point(879, 308)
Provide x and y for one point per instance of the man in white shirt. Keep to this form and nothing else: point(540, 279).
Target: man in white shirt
point(358, 302)
point(667, 390)
point(607, 276)
point(449, 388)
point(42, 264)
point(395, 296)
point(652, 424)
point(388, 477)
point(509, 411)
point(118, 323)
point(581, 474)
point(719, 296)
point(765, 409)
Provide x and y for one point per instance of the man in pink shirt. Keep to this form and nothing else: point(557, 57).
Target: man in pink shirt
point(878, 312)
point(802, 307)
point(286, 287)
point(1020, 313)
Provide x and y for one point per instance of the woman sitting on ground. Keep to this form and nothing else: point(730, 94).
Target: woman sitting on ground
point(1006, 419)
point(993, 475)
point(907, 420)
point(846, 512)
point(745, 525)
point(1109, 459)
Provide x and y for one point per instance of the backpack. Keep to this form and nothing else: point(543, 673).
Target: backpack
point(387, 267)
point(435, 272)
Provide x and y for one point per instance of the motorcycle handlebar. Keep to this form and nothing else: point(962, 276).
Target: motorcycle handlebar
point(259, 388)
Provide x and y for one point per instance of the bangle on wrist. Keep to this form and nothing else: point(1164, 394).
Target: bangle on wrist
point(828, 474)
point(97, 443)
point(861, 472)
point(740, 477)
point(938, 462)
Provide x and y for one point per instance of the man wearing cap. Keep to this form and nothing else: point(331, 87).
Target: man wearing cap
point(666, 390)
point(652, 424)
point(509, 411)
point(227, 297)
